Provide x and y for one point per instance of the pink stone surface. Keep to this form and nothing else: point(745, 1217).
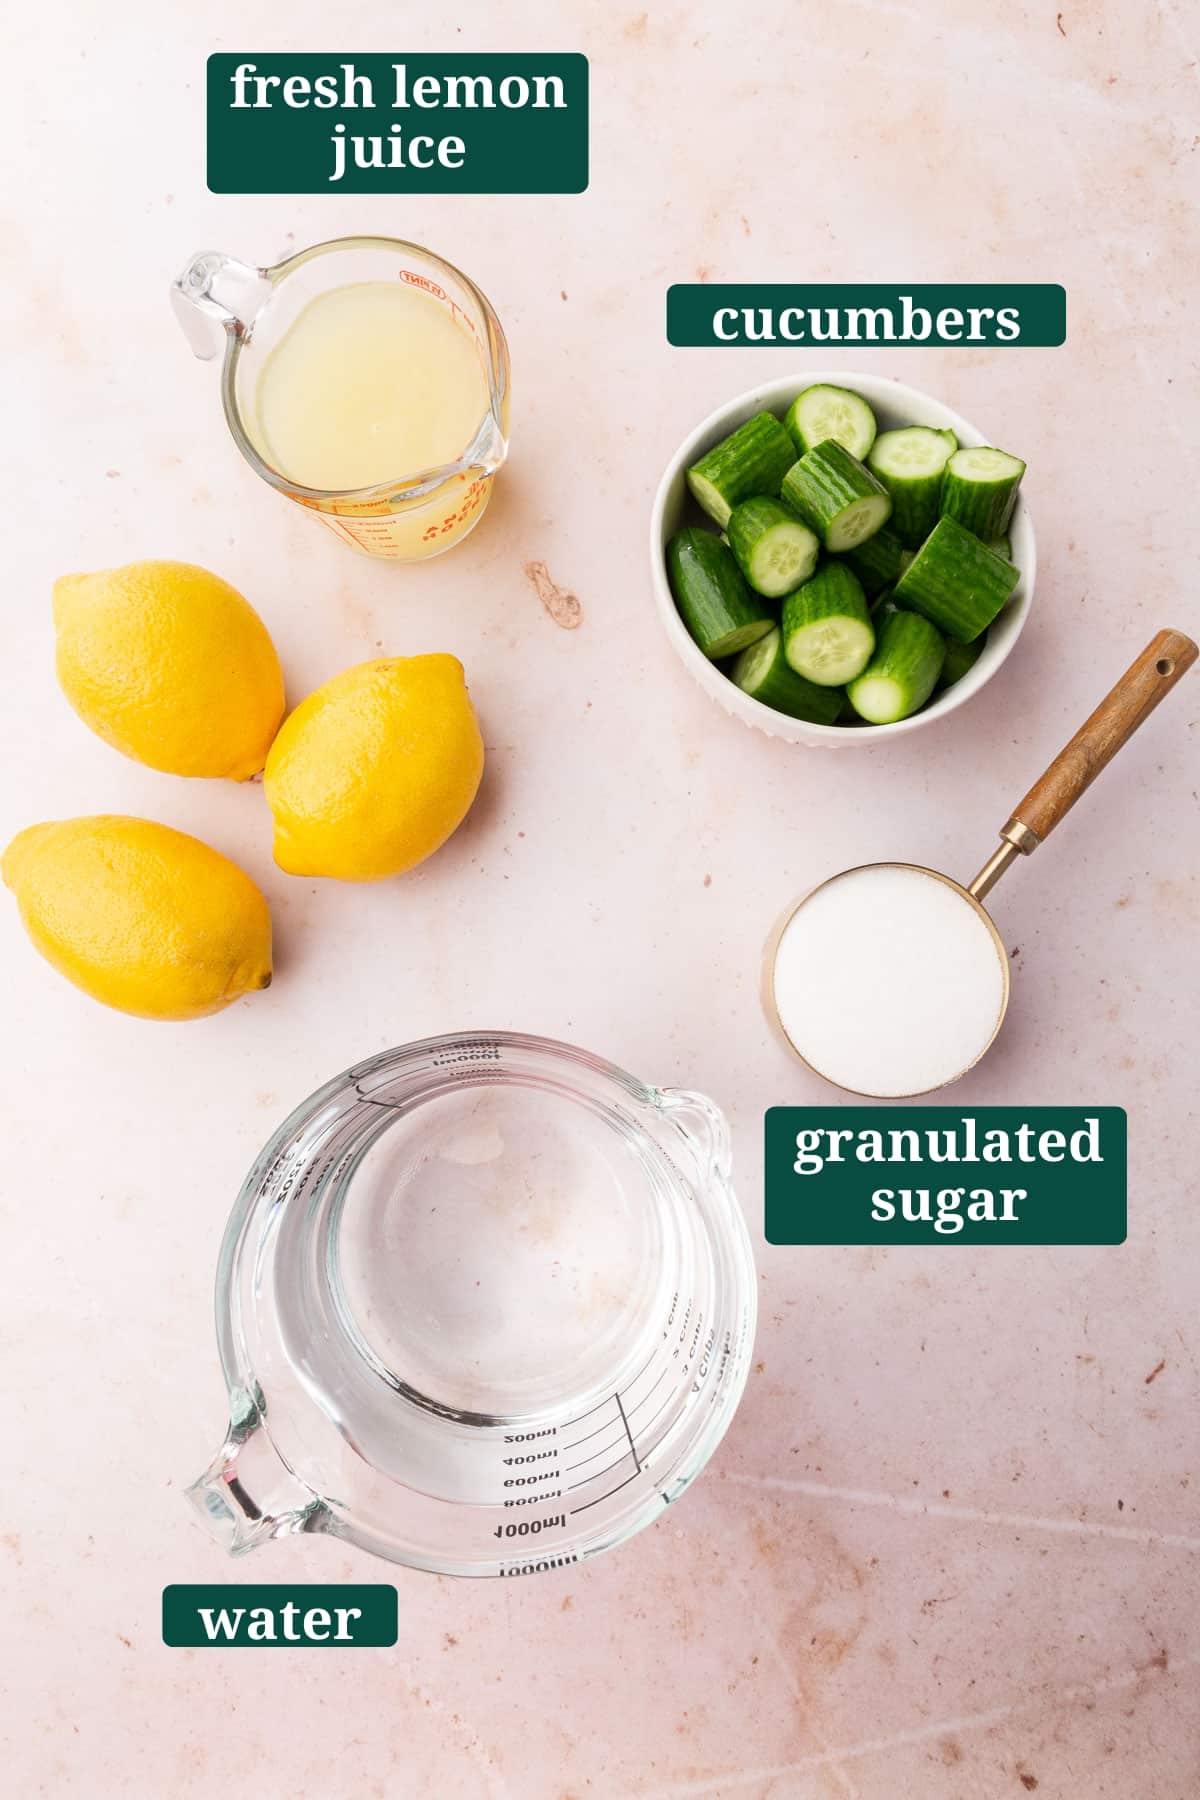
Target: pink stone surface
point(948, 1550)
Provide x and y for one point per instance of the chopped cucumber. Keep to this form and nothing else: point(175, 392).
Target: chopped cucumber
point(824, 412)
point(774, 550)
point(878, 562)
point(903, 671)
point(979, 489)
point(763, 672)
point(827, 632)
point(753, 460)
point(1000, 546)
point(910, 463)
point(837, 495)
point(959, 658)
point(956, 582)
point(714, 602)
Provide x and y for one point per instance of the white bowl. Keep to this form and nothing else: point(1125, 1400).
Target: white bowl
point(894, 404)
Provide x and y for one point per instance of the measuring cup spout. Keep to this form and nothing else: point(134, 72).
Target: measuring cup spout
point(701, 1124)
point(248, 1494)
point(216, 295)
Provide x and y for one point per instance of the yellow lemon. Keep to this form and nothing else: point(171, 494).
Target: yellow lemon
point(141, 917)
point(374, 770)
point(169, 665)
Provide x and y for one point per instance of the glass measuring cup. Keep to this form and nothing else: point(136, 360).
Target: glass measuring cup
point(485, 1306)
point(416, 513)
point(934, 991)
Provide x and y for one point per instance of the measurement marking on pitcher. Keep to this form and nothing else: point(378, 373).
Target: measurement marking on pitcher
point(608, 1496)
point(625, 1422)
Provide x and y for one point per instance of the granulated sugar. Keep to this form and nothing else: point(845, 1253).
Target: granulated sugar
point(888, 982)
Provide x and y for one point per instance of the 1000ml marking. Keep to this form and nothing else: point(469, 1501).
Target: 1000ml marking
point(529, 1527)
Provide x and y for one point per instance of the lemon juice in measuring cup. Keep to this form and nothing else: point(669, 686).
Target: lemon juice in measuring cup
point(366, 379)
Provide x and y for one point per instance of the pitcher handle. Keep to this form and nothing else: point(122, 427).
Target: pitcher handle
point(216, 297)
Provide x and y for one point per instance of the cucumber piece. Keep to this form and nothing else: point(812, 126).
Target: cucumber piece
point(959, 658)
point(827, 632)
point(956, 581)
point(878, 562)
point(824, 412)
point(837, 495)
point(903, 672)
point(979, 489)
point(763, 672)
point(774, 550)
point(1000, 546)
point(714, 602)
point(910, 464)
point(752, 460)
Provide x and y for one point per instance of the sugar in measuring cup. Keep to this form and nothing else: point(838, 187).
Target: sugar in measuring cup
point(890, 980)
point(366, 378)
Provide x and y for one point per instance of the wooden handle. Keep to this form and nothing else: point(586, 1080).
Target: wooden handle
point(1147, 681)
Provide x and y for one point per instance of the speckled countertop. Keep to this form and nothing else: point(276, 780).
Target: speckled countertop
point(949, 1550)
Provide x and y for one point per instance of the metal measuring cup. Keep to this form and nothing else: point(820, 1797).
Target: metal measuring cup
point(1148, 680)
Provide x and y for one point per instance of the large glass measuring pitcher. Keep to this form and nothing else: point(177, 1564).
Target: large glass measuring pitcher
point(404, 514)
point(485, 1306)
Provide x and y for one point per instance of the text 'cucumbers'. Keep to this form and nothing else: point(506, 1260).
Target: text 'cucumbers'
point(979, 489)
point(753, 460)
point(714, 601)
point(956, 581)
point(827, 633)
point(837, 495)
point(824, 412)
point(763, 672)
point(774, 550)
point(903, 671)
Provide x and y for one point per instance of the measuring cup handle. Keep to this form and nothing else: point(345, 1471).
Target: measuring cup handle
point(1166, 658)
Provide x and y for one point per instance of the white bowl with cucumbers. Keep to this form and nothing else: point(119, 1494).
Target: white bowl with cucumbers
point(839, 558)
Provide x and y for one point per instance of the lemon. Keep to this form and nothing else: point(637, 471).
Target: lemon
point(170, 665)
point(141, 917)
point(372, 773)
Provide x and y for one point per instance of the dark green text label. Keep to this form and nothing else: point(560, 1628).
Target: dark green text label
point(397, 124)
point(231, 1615)
point(782, 314)
point(935, 1175)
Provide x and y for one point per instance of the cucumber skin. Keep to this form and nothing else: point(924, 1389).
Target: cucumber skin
point(752, 460)
point(984, 508)
point(786, 692)
point(956, 582)
point(877, 562)
point(916, 500)
point(791, 418)
point(748, 523)
point(824, 482)
point(710, 593)
point(959, 659)
point(910, 651)
point(833, 592)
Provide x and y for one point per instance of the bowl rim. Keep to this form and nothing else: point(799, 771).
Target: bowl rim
point(876, 389)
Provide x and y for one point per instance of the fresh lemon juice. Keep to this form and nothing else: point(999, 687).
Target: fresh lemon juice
point(371, 383)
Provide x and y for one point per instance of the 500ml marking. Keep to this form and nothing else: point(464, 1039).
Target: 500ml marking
point(529, 1527)
point(527, 1437)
